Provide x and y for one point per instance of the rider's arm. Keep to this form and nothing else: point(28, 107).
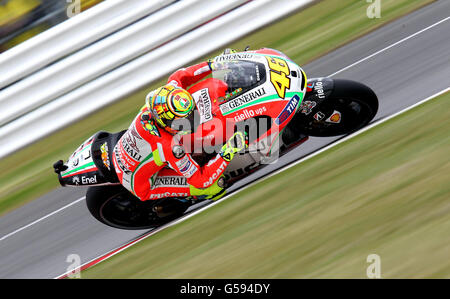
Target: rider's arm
point(190, 75)
point(196, 175)
point(205, 176)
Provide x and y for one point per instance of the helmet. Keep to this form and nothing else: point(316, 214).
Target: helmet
point(172, 107)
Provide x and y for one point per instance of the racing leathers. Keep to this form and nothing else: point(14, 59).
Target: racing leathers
point(153, 164)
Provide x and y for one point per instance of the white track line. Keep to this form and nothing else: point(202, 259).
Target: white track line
point(152, 232)
point(42, 218)
point(391, 46)
point(341, 140)
point(374, 124)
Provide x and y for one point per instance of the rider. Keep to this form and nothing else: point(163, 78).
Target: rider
point(150, 160)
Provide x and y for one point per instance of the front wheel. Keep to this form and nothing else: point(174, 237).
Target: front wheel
point(117, 207)
point(349, 107)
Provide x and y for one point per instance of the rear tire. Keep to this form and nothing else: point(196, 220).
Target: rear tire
point(357, 103)
point(115, 206)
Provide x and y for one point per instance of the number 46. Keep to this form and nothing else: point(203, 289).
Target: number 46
point(279, 72)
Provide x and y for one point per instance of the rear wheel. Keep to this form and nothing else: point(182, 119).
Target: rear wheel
point(117, 207)
point(350, 106)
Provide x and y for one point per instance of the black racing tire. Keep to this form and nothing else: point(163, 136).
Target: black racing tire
point(115, 206)
point(357, 103)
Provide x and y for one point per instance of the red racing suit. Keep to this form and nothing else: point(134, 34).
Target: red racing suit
point(152, 164)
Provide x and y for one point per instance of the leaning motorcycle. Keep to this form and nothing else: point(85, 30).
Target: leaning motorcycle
point(261, 92)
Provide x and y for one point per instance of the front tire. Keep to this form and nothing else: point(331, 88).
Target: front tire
point(356, 103)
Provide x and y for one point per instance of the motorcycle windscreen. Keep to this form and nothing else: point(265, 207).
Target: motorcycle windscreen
point(239, 76)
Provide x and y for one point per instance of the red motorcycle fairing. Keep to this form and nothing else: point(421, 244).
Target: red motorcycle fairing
point(215, 129)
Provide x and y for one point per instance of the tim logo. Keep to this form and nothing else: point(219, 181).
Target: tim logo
point(288, 110)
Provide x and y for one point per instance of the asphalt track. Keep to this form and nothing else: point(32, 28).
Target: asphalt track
point(36, 239)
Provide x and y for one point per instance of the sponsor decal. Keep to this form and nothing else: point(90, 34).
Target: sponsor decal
point(131, 149)
point(129, 143)
point(235, 56)
point(216, 175)
point(190, 172)
point(335, 117)
point(242, 100)
point(318, 88)
point(307, 107)
point(76, 180)
point(120, 162)
point(279, 75)
point(133, 146)
point(84, 180)
point(182, 162)
point(89, 180)
point(128, 162)
point(248, 113)
point(319, 116)
point(186, 167)
point(130, 138)
point(105, 155)
point(168, 194)
point(288, 110)
point(169, 181)
point(203, 102)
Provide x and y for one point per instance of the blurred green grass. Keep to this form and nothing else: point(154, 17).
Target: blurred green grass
point(383, 192)
point(303, 36)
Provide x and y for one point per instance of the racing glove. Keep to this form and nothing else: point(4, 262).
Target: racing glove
point(213, 192)
point(236, 143)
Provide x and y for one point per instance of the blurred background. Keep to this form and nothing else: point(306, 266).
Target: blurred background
point(23, 19)
point(385, 193)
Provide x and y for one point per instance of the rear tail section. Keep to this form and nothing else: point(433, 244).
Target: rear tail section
point(91, 163)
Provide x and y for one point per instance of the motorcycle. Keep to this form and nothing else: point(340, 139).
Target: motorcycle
point(261, 92)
